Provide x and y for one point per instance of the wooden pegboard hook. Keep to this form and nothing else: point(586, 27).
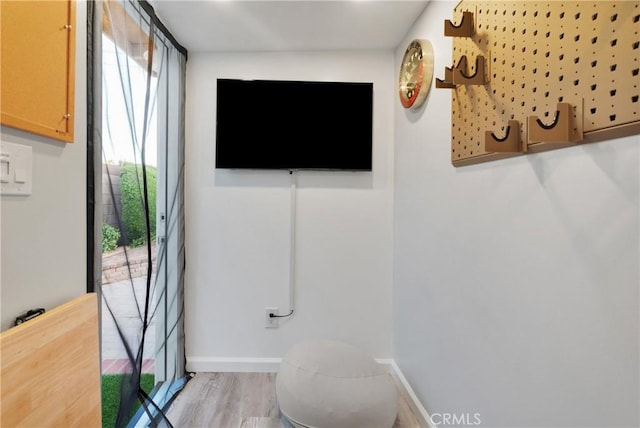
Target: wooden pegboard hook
point(509, 143)
point(447, 82)
point(464, 29)
point(566, 127)
point(460, 76)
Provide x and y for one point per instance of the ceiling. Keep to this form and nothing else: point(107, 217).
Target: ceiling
point(250, 26)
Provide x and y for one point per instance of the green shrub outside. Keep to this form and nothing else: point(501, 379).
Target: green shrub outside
point(133, 216)
point(110, 236)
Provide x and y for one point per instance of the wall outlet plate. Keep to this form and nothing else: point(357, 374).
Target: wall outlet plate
point(270, 322)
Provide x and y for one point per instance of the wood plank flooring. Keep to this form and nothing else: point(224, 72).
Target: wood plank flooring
point(243, 400)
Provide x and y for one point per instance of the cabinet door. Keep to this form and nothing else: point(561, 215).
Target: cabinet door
point(38, 59)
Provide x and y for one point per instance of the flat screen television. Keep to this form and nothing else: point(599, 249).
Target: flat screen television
point(274, 124)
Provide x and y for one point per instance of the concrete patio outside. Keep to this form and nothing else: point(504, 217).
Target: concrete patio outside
point(126, 299)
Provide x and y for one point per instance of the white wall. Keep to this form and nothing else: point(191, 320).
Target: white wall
point(516, 281)
point(43, 260)
point(237, 236)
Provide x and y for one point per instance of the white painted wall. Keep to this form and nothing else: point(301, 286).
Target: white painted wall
point(237, 225)
point(43, 256)
point(515, 282)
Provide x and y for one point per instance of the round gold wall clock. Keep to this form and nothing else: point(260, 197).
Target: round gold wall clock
point(416, 72)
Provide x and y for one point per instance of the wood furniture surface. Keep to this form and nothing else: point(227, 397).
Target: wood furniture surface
point(38, 66)
point(50, 369)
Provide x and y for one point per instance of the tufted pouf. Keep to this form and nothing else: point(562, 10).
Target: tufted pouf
point(334, 385)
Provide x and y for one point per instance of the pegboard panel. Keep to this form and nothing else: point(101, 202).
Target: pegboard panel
point(539, 54)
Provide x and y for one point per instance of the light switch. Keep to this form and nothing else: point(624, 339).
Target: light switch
point(21, 175)
point(15, 169)
point(4, 167)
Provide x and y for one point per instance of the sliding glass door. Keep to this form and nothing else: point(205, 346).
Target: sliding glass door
point(138, 141)
point(170, 220)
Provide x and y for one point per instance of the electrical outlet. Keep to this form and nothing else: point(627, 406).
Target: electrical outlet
point(269, 321)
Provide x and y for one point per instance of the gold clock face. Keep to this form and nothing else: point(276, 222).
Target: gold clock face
point(416, 72)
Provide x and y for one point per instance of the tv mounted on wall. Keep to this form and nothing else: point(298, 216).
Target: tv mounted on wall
point(274, 124)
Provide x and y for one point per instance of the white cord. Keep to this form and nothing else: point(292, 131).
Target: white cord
point(292, 244)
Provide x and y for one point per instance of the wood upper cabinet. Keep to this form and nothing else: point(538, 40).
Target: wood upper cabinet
point(38, 66)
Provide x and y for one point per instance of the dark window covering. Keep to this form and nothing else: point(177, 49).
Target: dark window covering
point(161, 299)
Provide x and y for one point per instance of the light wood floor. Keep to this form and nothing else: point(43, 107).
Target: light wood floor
point(243, 400)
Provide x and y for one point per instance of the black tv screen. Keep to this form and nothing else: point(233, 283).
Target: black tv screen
point(269, 124)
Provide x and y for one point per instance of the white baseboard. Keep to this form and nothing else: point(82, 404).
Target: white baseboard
point(271, 365)
point(233, 365)
point(416, 406)
point(386, 362)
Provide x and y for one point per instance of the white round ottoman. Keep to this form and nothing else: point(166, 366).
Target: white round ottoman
point(327, 384)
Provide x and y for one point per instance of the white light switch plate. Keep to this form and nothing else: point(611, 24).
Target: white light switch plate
point(15, 169)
